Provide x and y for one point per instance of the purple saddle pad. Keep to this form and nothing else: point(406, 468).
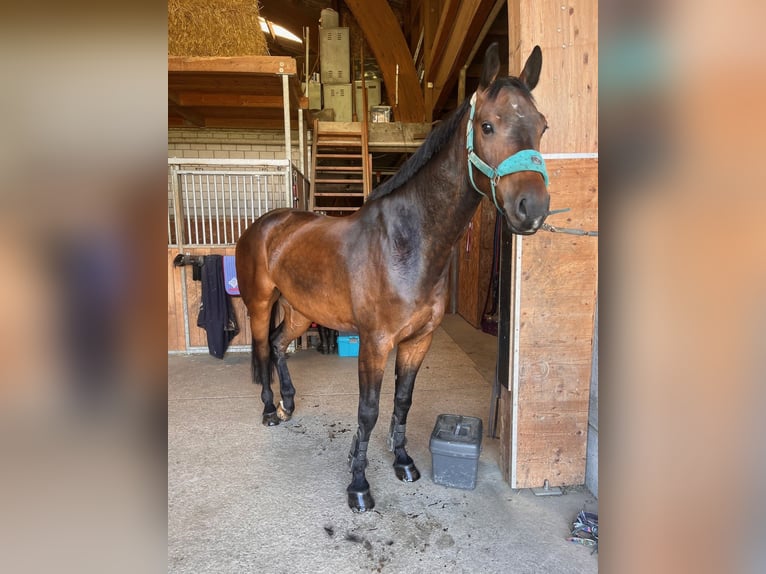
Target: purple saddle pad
point(230, 275)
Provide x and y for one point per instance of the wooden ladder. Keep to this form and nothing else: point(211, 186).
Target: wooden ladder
point(341, 167)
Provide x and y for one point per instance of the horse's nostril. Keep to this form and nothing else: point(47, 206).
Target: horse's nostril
point(521, 210)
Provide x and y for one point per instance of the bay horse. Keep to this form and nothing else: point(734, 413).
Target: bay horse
point(382, 272)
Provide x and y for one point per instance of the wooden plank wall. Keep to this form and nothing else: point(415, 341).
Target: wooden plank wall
point(567, 92)
point(559, 276)
point(559, 273)
point(475, 264)
point(198, 336)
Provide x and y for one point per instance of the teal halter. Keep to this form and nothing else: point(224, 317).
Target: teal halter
point(524, 160)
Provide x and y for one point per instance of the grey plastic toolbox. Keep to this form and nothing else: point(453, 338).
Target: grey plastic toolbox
point(455, 447)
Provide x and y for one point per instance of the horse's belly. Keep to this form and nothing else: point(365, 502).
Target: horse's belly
point(319, 299)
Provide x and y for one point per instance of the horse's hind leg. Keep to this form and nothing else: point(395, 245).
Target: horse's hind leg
point(260, 320)
point(293, 325)
point(259, 294)
point(324, 345)
point(409, 357)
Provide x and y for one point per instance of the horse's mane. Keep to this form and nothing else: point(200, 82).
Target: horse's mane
point(435, 141)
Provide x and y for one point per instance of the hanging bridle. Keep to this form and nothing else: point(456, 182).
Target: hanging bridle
point(524, 160)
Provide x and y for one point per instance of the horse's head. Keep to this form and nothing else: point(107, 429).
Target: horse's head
point(503, 142)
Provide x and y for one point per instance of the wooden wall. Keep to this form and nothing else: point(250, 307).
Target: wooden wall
point(544, 418)
point(475, 264)
point(567, 33)
point(557, 289)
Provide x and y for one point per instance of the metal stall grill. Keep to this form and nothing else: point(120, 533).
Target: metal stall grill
point(212, 202)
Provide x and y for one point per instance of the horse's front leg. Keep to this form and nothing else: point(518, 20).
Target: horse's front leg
point(409, 357)
point(372, 362)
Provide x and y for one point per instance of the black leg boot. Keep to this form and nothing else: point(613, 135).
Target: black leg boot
point(324, 344)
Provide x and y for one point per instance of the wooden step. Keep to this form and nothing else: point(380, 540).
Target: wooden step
point(340, 168)
point(339, 194)
point(339, 133)
point(322, 180)
point(338, 142)
point(339, 156)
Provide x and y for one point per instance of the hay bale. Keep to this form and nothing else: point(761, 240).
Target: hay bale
point(215, 28)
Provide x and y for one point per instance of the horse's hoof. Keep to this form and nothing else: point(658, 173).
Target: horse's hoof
point(270, 419)
point(283, 414)
point(406, 472)
point(360, 501)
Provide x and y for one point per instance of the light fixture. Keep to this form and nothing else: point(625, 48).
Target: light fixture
point(273, 29)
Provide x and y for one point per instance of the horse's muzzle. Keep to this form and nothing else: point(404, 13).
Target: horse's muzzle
point(528, 211)
point(531, 230)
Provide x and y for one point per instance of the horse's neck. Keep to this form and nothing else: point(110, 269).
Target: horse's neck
point(444, 190)
point(435, 206)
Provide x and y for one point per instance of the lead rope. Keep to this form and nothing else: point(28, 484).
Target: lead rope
point(569, 230)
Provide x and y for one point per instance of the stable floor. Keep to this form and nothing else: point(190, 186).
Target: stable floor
point(247, 498)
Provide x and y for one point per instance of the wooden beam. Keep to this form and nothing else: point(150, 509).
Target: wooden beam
point(430, 17)
point(247, 123)
point(466, 27)
point(189, 115)
point(240, 83)
point(397, 137)
point(251, 64)
point(387, 42)
point(206, 99)
point(485, 29)
point(443, 29)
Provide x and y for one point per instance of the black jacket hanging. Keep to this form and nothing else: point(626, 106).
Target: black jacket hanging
point(216, 312)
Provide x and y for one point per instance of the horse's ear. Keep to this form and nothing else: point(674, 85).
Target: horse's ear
point(491, 66)
point(531, 72)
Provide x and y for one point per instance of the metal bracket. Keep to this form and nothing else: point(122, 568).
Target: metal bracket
point(547, 490)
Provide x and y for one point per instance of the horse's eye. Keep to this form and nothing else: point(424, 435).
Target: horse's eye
point(487, 128)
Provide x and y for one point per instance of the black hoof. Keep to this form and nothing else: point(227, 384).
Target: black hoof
point(406, 472)
point(360, 501)
point(270, 419)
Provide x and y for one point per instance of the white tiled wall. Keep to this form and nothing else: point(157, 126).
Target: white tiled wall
point(229, 144)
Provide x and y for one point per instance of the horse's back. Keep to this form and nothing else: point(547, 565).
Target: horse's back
point(296, 251)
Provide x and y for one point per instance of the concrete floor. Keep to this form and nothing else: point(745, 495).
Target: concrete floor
point(246, 498)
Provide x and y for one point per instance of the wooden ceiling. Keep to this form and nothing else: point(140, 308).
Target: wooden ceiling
point(228, 92)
